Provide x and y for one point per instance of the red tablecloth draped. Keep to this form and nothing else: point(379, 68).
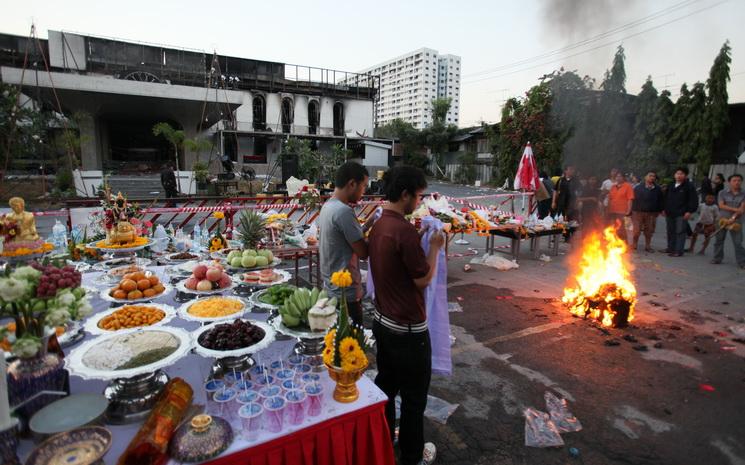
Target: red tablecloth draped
point(357, 438)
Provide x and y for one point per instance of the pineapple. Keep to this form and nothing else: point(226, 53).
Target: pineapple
point(252, 229)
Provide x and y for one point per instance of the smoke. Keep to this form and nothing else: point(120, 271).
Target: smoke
point(575, 20)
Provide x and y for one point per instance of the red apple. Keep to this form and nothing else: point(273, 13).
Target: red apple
point(224, 281)
point(213, 274)
point(204, 285)
point(200, 271)
point(191, 283)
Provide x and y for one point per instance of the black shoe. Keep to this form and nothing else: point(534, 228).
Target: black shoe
point(666, 251)
point(716, 262)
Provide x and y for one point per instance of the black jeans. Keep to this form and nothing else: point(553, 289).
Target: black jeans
point(676, 233)
point(405, 368)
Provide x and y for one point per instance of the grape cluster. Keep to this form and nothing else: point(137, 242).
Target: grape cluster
point(53, 279)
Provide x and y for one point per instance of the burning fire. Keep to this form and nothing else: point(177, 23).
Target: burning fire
point(603, 289)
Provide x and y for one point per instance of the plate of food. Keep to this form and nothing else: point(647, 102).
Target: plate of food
point(306, 313)
point(273, 297)
point(129, 316)
point(79, 446)
point(181, 257)
point(206, 279)
point(265, 277)
point(249, 259)
point(107, 265)
point(129, 352)
point(214, 308)
point(232, 338)
point(138, 244)
point(136, 287)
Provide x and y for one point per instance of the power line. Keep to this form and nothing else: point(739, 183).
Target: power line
point(599, 46)
point(592, 39)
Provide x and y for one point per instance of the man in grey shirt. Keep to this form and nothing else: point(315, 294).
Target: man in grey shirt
point(342, 240)
point(731, 209)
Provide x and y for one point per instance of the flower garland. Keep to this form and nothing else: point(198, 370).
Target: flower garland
point(218, 242)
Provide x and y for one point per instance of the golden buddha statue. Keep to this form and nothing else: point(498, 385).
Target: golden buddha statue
point(23, 219)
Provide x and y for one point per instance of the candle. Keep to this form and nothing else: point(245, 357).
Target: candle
point(4, 406)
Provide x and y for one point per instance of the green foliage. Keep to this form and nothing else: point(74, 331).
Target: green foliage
point(440, 108)
point(717, 111)
point(437, 135)
point(409, 138)
point(466, 173)
point(201, 171)
point(527, 120)
point(615, 78)
point(642, 156)
point(197, 145)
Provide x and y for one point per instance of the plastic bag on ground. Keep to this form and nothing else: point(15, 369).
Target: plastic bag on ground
point(540, 431)
point(560, 415)
point(437, 409)
point(454, 307)
point(495, 261)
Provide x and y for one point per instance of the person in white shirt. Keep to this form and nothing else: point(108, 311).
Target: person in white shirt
point(606, 186)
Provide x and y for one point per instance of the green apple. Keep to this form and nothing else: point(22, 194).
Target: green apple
point(248, 261)
point(232, 255)
point(269, 256)
point(261, 261)
point(236, 262)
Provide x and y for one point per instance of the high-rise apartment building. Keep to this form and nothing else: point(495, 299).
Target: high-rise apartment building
point(410, 82)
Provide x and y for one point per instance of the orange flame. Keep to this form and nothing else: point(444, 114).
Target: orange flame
point(602, 284)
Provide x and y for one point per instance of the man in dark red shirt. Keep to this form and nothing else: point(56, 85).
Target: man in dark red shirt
point(400, 273)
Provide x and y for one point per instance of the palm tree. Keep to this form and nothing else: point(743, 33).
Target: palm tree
point(176, 138)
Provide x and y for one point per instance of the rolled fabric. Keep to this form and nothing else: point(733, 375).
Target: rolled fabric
point(436, 302)
point(149, 445)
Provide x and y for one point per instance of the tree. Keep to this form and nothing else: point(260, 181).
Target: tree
point(641, 153)
point(408, 137)
point(661, 150)
point(527, 120)
point(717, 109)
point(175, 137)
point(437, 135)
point(615, 78)
point(198, 145)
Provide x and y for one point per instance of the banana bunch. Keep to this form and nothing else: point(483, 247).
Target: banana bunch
point(294, 310)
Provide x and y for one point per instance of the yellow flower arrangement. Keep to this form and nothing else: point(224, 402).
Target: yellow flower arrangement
point(218, 215)
point(355, 361)
point(136, 243)
point(347, 346)
point(341, 278)
point(328, 355)
point(216, 244)
point(21, 251)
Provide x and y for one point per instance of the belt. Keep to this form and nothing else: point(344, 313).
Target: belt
point(400, 327)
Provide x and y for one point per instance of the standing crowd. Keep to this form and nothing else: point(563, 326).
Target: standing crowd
point(716, 210)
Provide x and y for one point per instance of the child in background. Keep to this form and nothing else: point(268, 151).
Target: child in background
point(708, 212)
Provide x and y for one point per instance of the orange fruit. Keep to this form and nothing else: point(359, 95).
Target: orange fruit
point(149, 292)
point(128, 285)
point(134, 295)
point(119, 294)
point(138, 275)
point(143, 284)
point(129, 276)
point(158, 288)
point(153, 280)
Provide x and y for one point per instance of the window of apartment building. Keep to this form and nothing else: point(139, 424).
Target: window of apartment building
point(259, 113)
point(339, 119)
point(288, 115)
point(314, 116)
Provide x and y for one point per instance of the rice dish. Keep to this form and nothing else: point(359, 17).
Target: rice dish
point(117, 352)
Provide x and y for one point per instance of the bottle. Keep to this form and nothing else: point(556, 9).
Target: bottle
point(196, 238)
point(205, 237)
point(59, 236)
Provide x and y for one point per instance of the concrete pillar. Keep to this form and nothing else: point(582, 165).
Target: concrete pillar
point(301, 114)
point(90, 158)
point(273, 112)
point(327, 117)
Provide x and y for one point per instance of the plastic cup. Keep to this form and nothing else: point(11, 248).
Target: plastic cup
point(258, 371)
point(225, 404)
point(295, 412)
point(210, 387)
point(244, 385)
point(309, 378)
point(283, 375)
point(295, 360)
point(251, 418)
point(303, 369)
point(233, 377)
point(274, 412)
point(291, 384)
point(246, 397)
point(263, 380)
point(276, 365)
point(314, 402)
point(270, 391)
point(316, 364)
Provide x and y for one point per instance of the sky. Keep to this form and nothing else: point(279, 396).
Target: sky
point(673, 41)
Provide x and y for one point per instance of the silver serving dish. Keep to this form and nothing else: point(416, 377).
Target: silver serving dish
point(66, 414)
